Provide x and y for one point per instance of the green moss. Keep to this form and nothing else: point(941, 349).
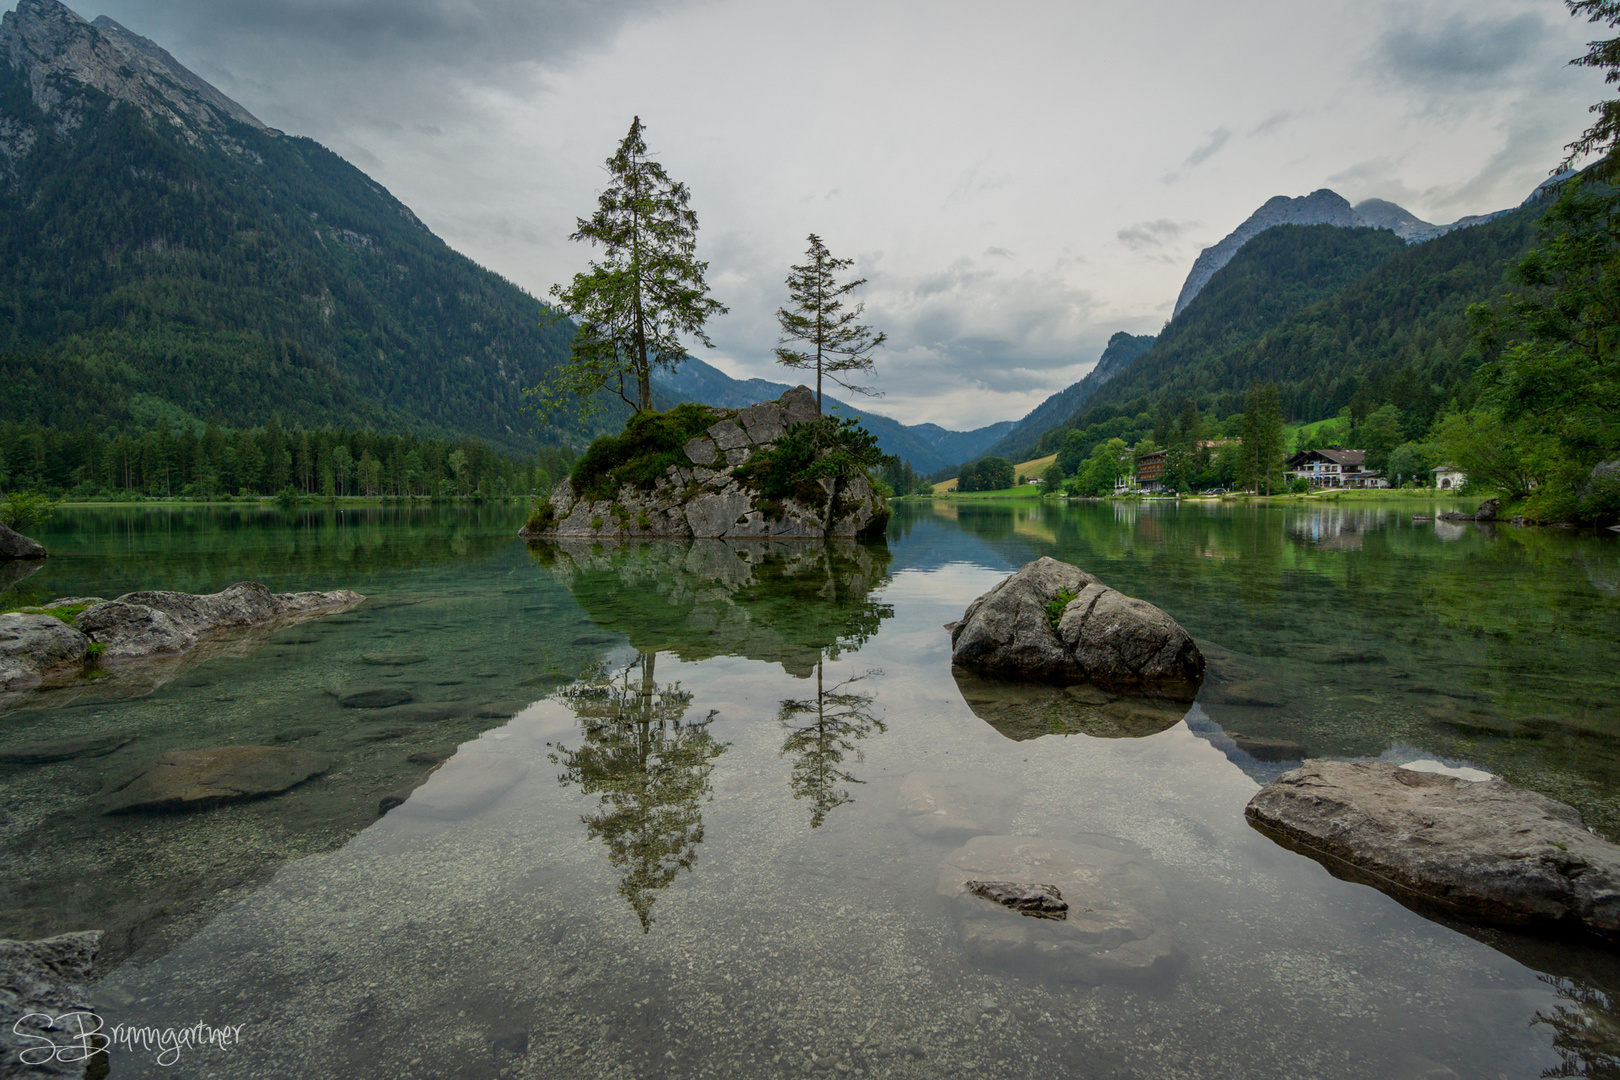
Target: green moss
point(542, 519)
point(66, 614)
point(1055, 606)
point(640, 455)
point(596, 524)
point(95, 649)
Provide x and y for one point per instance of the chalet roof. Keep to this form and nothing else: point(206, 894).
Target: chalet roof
point(1153, 454)
point(1337, 455)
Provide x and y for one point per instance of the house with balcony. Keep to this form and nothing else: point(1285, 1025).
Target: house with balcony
point(1335, 467)
point(1150, 470)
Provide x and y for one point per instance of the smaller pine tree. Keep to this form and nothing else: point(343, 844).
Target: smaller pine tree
point(835, 341)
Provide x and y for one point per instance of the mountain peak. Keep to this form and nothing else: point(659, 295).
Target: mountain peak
point(1322, 207)
point(55, 48)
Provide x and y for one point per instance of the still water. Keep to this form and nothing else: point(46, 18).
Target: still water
point(693, 809)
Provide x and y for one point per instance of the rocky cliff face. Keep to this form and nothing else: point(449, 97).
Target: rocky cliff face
point(1322, 207)
point(60, 53)
point(703, 498)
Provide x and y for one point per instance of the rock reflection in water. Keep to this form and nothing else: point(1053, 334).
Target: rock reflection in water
point(650, 766)
point(784, 602)
point(1028, 710)
point(821, 732)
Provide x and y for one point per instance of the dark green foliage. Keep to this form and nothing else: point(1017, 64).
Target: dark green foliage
point(1335, 317)
point(989, 474)
point(1549, 407)
point(215, 462)
point(232, 280)
point(647, 290)
point(21, 509)
point(832, 448)
point(641, 454)
point(542, 519)
point(901, 479)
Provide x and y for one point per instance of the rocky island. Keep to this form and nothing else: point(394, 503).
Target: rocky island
point(775, 470)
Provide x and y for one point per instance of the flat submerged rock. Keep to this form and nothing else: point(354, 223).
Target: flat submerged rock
point(1115, 927)
point(1484, 851)
point(193, 779)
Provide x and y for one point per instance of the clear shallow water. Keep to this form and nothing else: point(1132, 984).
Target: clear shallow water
point(669, 839)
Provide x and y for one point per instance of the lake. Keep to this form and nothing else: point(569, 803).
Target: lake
point(663, 807)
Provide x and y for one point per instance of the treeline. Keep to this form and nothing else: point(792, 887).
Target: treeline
point(215, 462)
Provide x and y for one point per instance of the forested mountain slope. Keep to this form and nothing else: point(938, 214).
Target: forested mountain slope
point(164, 254)
point(1123, 349)
point(1396, 331)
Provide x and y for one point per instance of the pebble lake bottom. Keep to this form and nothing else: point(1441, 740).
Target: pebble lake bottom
point(702, 806)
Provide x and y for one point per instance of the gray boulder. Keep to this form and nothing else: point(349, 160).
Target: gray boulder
point(1102, 636)
point(1116, 926)
point(14, 545)
point(79, 746)
point(133, 630)
point(1600, 493)
point(143, 624)
point(193, 779)
point(41, 980)
point(1484, 851)
point(37, 650)
point(1488, 510)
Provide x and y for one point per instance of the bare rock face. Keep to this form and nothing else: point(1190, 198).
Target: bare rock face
point(704, 499)
point(14, 545)
point(38, 649)
point(1115, 926)
point(1485, 851)
point(1102, 637)
point(193, 779)
point(40, 980)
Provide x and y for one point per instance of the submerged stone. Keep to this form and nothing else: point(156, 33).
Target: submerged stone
point(192, 779)
point(1028, 710)
point(398, 659)
point(1482, 850)
point(1040, 901)
point(41, 980)
point(1116, 927)
point(951, 806)
point(381, 697)
point(64, 749)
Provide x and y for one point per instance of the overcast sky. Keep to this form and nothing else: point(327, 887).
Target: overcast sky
point(1018, 180)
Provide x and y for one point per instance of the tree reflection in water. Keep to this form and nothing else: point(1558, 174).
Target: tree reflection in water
point(1586, 1032)
point(651, 768)
point(821, 731)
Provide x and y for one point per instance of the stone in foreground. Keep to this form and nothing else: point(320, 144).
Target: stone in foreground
point(1102, 636)
point(38, 980)
point(38, 650)
point(1040, 901)
point(142, 624)
point(14, 545)
point(193, 779)
point(1116, 925)
point(1484, 851)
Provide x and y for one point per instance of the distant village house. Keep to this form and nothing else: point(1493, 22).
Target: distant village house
point(1448, 477)
point(1335, 467)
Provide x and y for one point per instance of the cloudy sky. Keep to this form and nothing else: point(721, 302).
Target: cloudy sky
point(1018, 181)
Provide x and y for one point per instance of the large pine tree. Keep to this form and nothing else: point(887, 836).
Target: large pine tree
point(647, 290)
